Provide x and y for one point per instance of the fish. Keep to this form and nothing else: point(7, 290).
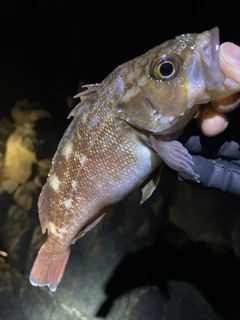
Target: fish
point(122, 131)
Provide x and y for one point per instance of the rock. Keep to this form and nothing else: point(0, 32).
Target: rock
point(22, 144)
point(25, 111)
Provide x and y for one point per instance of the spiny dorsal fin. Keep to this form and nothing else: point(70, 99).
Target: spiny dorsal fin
point(91, 88)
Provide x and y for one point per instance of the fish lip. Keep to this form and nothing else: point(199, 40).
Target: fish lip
point(214, 77)
point(215, 41)
point(215, 44)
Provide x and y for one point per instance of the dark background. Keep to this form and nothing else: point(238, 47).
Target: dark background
point(51, 45)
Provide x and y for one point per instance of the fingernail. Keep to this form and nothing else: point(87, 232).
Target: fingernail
point(230, 52)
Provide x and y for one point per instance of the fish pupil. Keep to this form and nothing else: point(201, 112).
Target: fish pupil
point(166, 69)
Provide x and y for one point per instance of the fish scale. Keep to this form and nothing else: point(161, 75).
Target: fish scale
point(123, 130)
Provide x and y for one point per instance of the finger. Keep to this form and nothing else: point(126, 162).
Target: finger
point(229, 59)
point(211, 121)
point(227, 104)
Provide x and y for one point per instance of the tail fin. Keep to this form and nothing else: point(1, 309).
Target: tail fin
point(48, 268)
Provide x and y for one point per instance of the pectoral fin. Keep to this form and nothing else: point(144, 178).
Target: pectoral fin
point(175, 156)
point(151, 185)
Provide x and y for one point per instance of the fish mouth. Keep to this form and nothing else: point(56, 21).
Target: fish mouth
point(213, 75)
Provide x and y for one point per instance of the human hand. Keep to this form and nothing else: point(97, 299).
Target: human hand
point(215, 147)
point(213, 117)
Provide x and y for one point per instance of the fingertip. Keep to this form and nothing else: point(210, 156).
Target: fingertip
point(227, 104)
point(212, 122)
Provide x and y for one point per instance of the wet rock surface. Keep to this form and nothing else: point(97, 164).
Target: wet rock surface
point(175, 257)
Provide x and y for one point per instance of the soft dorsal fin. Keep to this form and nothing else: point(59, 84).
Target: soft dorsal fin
point(91, 88)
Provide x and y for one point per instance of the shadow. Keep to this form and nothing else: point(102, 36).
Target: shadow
point(216, 276)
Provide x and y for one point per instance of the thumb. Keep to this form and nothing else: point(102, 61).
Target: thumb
point(229, 59)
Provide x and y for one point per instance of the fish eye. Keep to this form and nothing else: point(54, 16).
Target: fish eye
point(165, 67)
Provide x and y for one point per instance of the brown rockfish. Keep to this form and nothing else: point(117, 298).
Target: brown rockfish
point(123, 129)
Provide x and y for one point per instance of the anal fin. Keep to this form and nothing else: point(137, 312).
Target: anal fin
point(151, 184)
point(88, 228)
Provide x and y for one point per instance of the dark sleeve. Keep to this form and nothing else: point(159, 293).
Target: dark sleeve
point(217, 159)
